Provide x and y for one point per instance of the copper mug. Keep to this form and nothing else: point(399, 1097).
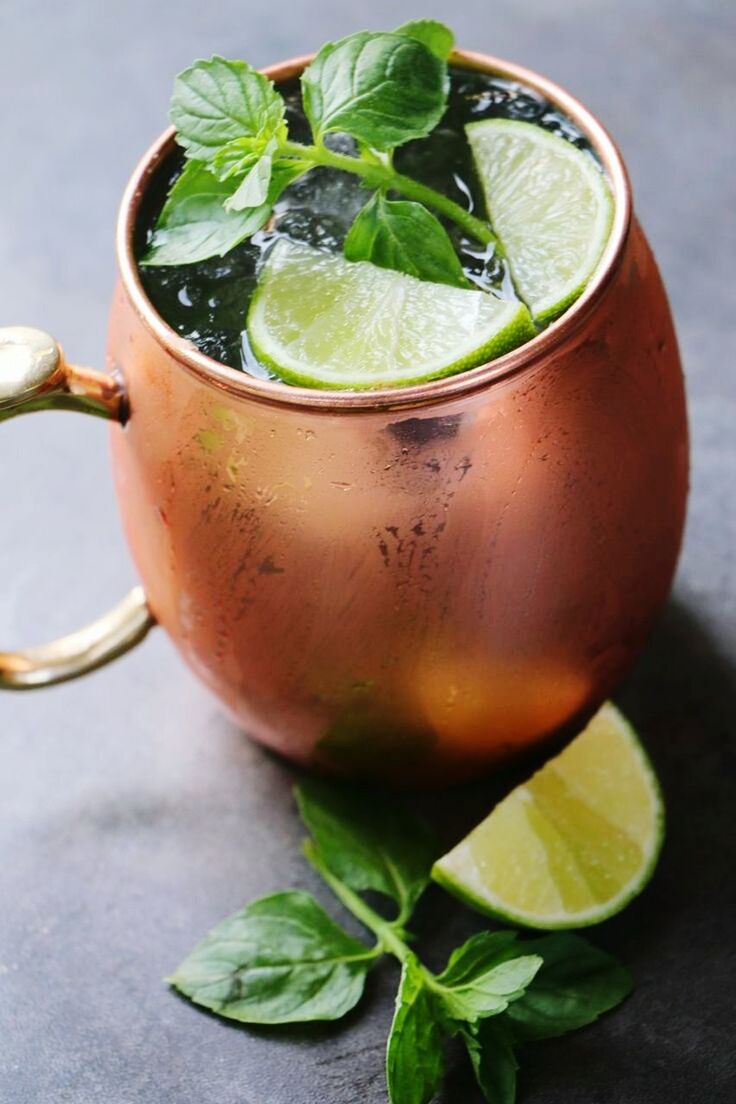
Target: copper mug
point(404, 584)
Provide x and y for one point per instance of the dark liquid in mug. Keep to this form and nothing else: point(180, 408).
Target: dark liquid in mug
point(207, 302)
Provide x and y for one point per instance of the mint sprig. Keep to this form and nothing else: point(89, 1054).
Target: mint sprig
point(282, 959)
point(383, 89)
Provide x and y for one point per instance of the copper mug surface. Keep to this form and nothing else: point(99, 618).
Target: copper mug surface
point(407, 584)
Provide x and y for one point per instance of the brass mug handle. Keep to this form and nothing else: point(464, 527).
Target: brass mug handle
point(35, 376)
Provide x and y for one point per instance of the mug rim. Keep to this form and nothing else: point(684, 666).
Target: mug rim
point(522, 359)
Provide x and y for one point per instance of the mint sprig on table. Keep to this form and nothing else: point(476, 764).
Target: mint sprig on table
point(282, 959)
point(382, 89)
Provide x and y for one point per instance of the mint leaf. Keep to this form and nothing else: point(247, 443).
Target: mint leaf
point(405, 236)
point(384, 89)
point(414, 1058)
point(367, 842)
point(194, 224)
point(481, 951)
point(218, 100)
point(576, 984)
point(436, 36)
point(236, 158)
point(280, 960)
point(489, 989)
point(494, 1063)
point(253, 188)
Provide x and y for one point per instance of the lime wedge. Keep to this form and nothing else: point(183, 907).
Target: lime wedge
point(550, 206)
point(574, 844)
point(321, 321)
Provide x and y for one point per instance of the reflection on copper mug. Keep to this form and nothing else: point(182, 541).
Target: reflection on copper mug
point(408, 584)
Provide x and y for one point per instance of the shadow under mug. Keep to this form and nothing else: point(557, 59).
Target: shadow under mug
point(406, 584)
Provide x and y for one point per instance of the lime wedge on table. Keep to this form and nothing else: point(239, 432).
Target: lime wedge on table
point(550, 206)
point(322, 321)
point(574, 844)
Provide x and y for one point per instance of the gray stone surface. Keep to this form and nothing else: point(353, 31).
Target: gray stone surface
point(132, 815)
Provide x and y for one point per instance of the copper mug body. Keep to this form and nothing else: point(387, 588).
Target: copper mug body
point(410, 585)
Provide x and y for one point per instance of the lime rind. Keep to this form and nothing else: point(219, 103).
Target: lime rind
point(535, 184)
point(458, 873)
point(320, 321)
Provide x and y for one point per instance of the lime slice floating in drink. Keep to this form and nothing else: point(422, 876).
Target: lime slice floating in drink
point(321, 321)
point(550, 206)
point(574, 844)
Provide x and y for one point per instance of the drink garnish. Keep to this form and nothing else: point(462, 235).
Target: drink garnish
point(383, 89)
point(548, 217)
point(574, 844)
point(321, 321)
point(282, 959)
point(549, 204)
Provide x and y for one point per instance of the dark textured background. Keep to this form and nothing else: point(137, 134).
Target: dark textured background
point(132, 815)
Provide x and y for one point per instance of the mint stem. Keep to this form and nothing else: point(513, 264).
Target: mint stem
point(387, 932)
point(381, 175)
